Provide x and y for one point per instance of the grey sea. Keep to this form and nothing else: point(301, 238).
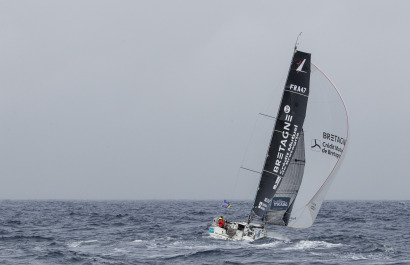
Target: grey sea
point(176, 232)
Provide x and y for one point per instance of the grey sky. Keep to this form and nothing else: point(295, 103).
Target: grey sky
point(158, 99)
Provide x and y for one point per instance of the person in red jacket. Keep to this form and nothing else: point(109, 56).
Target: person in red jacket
point(221, 222)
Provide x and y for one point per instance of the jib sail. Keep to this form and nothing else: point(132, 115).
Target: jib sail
point(287, 131)
point(325, 132)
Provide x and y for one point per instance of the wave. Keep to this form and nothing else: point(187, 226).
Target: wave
point(306, 244)
point(31, 238)
point(277, 236)
point(196, 254)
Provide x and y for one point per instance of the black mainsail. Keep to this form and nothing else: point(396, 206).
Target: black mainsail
point(286, 135)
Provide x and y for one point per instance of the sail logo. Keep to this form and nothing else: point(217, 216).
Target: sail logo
point(300, 66)
point(313, 206)
point(280, 203)
point(262, 206)
point(277, 181)
point(283, 143)
point(297, 88)
point(316, 145)
point(332, 145)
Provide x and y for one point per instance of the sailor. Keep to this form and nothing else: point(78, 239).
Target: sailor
point(221, 222)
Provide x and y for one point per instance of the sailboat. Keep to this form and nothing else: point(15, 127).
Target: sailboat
point(307, 147)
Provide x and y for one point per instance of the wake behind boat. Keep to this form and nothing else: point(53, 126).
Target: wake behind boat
point(306, 149)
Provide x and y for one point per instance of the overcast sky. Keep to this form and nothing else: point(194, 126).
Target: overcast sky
point(158, 99)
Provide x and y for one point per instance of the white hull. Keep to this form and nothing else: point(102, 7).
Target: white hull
point(237, 231)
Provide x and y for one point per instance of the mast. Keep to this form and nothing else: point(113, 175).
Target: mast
point(296, 43)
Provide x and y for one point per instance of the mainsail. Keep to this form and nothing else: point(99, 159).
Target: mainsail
point(287, 130)
point(304, 153)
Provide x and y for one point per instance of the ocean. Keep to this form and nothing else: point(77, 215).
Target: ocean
point(176, 232)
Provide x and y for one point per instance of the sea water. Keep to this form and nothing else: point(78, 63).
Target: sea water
point(176, 232)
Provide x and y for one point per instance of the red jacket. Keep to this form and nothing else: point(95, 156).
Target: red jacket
point(221, 223)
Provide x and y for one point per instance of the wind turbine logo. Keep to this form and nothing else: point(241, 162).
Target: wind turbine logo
point(316, 145)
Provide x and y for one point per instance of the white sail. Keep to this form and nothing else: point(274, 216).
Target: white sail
point(326, 134)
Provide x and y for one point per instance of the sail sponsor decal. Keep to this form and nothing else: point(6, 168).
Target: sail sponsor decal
point(277, 182)
point(330, 144)
point(263, 204)
point(280, 203)
point(313, 206)
point(288, 141)
point(333, 138)
point(287, 144)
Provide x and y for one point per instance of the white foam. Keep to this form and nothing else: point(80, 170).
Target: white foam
point(357, 257)
point(120, 250)
point(388, 249)
point(73, 245)
point(278, 236)
point(267, 245)
point(38, 248)
point(306, 244)
point(215, 244)
point(79, 243)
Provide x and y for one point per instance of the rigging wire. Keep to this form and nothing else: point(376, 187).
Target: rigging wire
point(267, 151)
point(281, 83)
point(267, 105)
